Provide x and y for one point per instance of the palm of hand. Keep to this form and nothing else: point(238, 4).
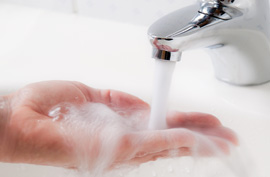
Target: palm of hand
point(35, 138)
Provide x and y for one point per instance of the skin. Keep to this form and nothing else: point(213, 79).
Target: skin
point(28, 134)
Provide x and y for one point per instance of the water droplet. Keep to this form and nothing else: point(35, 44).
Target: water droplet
point(55, 118)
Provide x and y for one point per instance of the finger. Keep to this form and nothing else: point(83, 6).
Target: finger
point(221, 132)
point(149, 142)
point(193, 119)
point(211, 146)
point(117, 100)
point(137, 160)
point(123, 103)
point(181, 138)
point(201, 146)
point(203, 123)
point(157, 141)
point(160, 155)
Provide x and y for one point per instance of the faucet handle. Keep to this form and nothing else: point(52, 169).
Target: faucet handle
point(219, 9)
point(218, 1)
point(227, 1)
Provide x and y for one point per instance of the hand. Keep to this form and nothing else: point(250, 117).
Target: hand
point(34, 136)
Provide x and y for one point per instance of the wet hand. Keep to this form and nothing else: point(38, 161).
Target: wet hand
point(35, 136)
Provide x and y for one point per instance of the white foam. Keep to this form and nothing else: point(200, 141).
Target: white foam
point(95, 125)
point(83, 125)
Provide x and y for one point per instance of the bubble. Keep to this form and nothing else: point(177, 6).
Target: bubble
point(55, 112)
point(56, 118)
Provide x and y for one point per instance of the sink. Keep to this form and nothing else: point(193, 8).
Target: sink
point(39, 45)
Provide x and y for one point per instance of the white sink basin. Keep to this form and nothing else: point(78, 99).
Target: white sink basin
point(37, 45)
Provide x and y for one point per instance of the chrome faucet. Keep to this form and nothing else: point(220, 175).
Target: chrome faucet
point(235, 33)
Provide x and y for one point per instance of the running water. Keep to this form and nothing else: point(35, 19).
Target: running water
point(161, 89)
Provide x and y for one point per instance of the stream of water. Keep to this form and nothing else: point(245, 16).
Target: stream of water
point(161, 89)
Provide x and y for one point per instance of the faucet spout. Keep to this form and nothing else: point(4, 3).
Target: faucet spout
point(236, 36)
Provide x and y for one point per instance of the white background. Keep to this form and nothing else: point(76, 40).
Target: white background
point(142, 12)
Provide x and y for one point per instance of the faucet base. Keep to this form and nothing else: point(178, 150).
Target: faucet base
point(243, 59)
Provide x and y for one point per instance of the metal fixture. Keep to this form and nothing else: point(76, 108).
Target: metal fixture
point(234, 32)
